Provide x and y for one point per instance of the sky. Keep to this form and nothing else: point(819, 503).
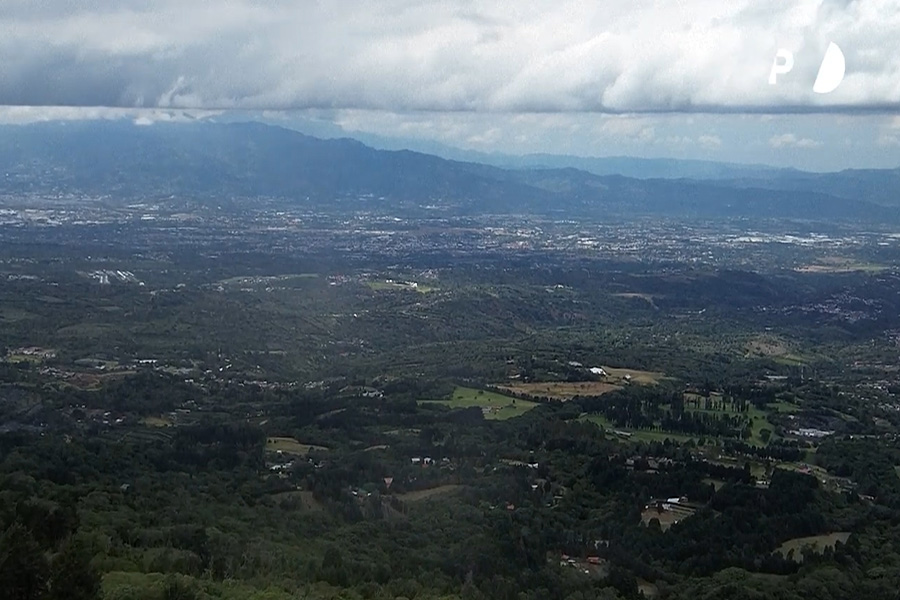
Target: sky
point(674, 78)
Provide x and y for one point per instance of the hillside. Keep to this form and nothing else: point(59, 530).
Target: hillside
point(120, 161)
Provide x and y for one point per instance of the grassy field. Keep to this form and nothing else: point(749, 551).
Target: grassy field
point(86, 330)
point(14, 315)
point(495, 406)
point(648, 298)
point(758, 418)
point(23, 358)
point(839, 264)
point(637, 435)
point(767, 345)
point(793, 360)
point(420, 495)
point(816, 542)
point(289, 445)
point(562, 390)
point(716, 483)
point(783, 407)
point(157, 422)
point(759, 422)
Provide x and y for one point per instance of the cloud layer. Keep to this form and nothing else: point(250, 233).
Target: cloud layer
point(619, 56)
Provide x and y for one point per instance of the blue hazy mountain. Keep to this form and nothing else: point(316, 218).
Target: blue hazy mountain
point(640, 168)
point(237, 162)
point(881, 186)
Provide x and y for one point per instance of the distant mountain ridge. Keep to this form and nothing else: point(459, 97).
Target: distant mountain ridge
point(247, 160)
point(642, 168)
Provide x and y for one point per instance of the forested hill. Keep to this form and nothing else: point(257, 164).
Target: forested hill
point(121, 161)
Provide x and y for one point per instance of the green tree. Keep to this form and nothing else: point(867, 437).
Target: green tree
point(71, 575)
point(333, 570)
point(23, 568)
point(177, 589)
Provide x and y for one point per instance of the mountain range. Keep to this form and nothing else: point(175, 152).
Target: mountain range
point(120, 160)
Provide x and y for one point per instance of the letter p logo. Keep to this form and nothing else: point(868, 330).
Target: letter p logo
point(780, 68)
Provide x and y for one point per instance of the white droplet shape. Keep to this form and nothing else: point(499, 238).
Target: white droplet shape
point(831, 72)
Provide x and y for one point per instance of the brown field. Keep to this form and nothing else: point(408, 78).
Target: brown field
point(637, 376)
point(561, 390)
point(419, 495)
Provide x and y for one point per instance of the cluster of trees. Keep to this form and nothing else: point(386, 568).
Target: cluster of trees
point(638, 407)
point(782, 450)
point(42, 556)
point(869, 463)
point(495, 536)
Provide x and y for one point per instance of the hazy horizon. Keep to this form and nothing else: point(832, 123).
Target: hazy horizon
point(681, 80)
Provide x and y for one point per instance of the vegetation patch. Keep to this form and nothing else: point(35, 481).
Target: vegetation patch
point(635, 375)
point(647, 589)
point(635, 435)
point(838, 264)
point(152, 586)
point(85, 330)
point(267, 280)
point(783, 407)
point(767, 345)
point(299, 499)
point(14, 315)
point(667, 514)
point(816, 543)
point(648, 298)
point(289, 445)
point(493, 405)
point(759, 423)
point(561, 390)
point(425, 494)
point(390, 284)
point(716, 483)
point(157, 422)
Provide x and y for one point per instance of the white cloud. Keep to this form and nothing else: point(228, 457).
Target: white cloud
point(21, 115)
point(789, 140)
point(710, 142)
point(445, 55)
point(888, 133)
point(626, 128)
point(676, 141)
